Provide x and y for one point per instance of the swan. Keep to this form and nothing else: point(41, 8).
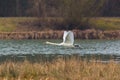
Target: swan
point(68, 40)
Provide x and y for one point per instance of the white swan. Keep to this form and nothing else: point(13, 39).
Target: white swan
point(68, 40)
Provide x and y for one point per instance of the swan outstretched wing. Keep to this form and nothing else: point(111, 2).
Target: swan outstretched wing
point(68, 37)
point(68, 40)
point(64, 36)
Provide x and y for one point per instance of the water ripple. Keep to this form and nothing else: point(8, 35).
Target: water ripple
point(39, 47)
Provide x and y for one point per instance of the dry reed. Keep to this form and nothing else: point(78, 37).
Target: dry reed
point(50, 34)
point(60, 69)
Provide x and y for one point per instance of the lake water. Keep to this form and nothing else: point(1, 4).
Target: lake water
point(8, 47)
point(37, 50)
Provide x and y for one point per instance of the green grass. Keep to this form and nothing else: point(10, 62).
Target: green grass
point(108, 23)
point(6, 24)
point(11, 24)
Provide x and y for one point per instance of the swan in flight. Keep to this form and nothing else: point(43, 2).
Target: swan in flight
point(68, 40)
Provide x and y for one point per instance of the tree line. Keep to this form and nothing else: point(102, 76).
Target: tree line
point(75, 13)
point(59, 8)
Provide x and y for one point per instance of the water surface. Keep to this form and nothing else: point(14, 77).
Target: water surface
point(8, 47)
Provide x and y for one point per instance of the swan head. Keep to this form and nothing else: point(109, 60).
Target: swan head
point(77, 46)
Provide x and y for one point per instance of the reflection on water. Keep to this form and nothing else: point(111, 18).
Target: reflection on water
point(37, 49)
point(52, 57)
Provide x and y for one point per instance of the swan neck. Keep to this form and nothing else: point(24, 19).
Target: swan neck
point(52, 43)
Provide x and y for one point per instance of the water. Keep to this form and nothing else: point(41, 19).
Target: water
point(8, 47)
point(37, 50)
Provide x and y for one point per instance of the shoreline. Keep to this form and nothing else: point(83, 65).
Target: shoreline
point(57, 34)
point(51, 57)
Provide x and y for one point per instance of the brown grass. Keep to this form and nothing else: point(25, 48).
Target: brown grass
point(60, 69)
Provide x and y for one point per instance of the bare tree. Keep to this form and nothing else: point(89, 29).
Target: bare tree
point(77, 12)
point(18, 12)
point(40, 7)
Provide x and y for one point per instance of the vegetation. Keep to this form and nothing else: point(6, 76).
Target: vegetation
point(11, 24)
point(34, 24)
point(79, 11)
point(75, 13)
point(108, 23)
point(60, 69)
point(52, 7)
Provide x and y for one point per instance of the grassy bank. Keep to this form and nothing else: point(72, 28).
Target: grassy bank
point(60, 69)
point(12, 24)
point(106, 23)
point(9, 24)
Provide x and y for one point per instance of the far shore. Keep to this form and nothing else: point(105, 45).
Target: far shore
point(58, 34)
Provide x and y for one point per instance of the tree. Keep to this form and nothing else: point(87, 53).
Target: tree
point(77, 12)
point(112, 8)
point(18, 10)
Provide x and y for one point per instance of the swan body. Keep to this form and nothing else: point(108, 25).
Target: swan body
point(68, 40)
